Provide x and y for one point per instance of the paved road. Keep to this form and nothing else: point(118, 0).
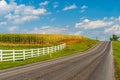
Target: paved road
point(93, 64)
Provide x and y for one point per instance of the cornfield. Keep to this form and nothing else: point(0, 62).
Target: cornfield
point(37, 38)
point(26, 41)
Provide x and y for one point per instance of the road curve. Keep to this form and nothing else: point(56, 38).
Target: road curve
point(93, 64)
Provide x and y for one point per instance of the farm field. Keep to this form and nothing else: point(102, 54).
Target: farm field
point(26, 41)
point(116, 49)
point(74, 44)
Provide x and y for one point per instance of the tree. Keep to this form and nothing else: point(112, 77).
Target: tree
point(114, 37)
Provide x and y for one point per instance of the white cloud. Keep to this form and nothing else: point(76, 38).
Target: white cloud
point(4, 7)
point(19, 13)
point(87, 24)
point(102, 28)
point(48, 30)
point(44, 3)
point(93, 24)
point(25, 18)
point(114, 29)
point(55, 4)
point(83, 8)
point(86, 20)
point(13, 28)
point(70, 7)
point(3, 3)
point(32, 11)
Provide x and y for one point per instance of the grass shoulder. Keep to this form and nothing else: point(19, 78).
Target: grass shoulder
point(116, 49)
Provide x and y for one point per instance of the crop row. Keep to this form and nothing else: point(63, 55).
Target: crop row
point(36, 38)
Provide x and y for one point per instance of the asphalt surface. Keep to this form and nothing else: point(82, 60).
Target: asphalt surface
point(93, 64)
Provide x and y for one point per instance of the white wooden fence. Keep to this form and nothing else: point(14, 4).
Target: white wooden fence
point(13, 55)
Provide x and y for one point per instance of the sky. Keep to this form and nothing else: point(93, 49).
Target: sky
point(90, 18)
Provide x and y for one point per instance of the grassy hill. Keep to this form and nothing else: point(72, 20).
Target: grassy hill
point(74, 44)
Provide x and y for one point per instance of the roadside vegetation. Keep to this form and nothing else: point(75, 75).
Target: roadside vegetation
point(74, 44)
point(116, 49)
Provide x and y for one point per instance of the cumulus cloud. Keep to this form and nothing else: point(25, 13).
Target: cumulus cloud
point(4, 7)
point(93, 24)
point(103, 28)
point(87, 24)
point(19, 13)
point(114, 29)
point(69, 7)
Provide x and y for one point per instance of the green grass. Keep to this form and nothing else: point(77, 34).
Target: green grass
point(116, 48)
point(70, 49)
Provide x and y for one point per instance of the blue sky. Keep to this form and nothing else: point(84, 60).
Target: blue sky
point(90, 18)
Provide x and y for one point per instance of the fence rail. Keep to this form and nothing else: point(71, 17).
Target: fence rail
point(13, 55)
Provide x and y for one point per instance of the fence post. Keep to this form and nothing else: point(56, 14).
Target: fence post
point(55, 48)
point(23, 54)
point(38, 51)
point(58, 47)
point(52, 50)
point(1, 55)
point(13, 55)
point(43, 50)
point(31, 52)
point(48, 50)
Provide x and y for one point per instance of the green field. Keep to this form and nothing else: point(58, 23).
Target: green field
point(116, 48)
point(74, 44)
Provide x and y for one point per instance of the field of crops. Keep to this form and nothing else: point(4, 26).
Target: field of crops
point(19, 41)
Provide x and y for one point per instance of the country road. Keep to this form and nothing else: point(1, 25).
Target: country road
point(93, 64)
